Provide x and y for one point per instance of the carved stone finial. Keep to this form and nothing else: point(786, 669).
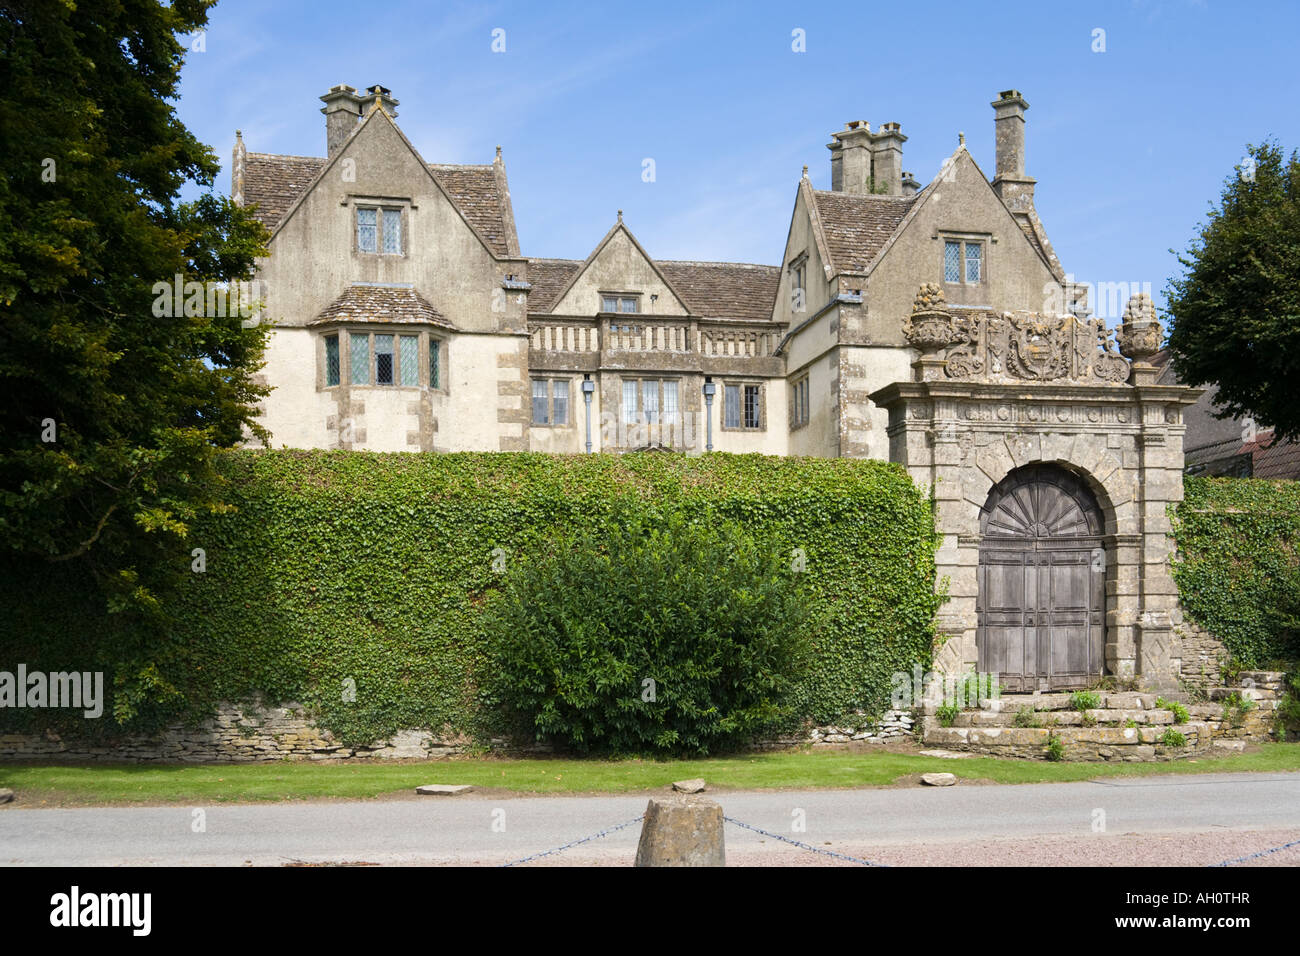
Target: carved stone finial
point(929, 327)
point(1140, 332)
point(620, 215)
point(805, 172)
point(961, 139)
point(929, 298)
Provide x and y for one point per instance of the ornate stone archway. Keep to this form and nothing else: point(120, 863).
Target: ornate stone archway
point(995, 392)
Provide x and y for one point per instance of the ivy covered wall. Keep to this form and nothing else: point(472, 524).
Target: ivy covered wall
point(342, 569)
point(1238, 564)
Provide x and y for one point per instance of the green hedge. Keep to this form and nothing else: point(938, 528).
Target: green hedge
point(1238, 564)
point(377, 568)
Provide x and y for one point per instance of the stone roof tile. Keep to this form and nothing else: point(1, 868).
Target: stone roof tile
point(401, 305)
point(857, 227)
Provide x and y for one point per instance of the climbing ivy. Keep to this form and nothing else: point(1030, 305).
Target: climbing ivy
point(340, 569)
point(1238, 564)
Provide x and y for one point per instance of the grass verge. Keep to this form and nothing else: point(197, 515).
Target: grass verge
point(88, 785)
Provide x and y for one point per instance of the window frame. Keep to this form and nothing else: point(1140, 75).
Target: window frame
point(554, 387)
point(965, 242)
point(619, 299)
point(430, 357)
point(799, 405)
point(381, 209)
point(741, 384)
point(798, 270)
point(662, 416)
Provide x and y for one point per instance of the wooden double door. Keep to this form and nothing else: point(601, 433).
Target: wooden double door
point(1042, 582)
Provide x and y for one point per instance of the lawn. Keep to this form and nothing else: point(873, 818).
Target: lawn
point(92, 784)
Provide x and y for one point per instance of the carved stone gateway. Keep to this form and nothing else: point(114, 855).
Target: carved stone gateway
point(1051, 397)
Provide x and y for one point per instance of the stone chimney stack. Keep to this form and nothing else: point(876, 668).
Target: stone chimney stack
point(887, 160)
point(910, 186)
point(1010, 182)
point(342, 112)
point(851, 158)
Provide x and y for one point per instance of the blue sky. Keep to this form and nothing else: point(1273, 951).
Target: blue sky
point(1128, 145)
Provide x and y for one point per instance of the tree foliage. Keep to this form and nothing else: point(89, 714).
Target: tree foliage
point(112, 414)
point(1236, 309)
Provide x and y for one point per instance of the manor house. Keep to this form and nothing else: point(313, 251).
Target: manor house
point(929, 325)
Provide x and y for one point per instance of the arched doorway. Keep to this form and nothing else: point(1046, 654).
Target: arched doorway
point(1042, 581)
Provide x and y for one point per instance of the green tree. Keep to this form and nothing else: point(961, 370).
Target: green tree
point(1236, 309)
point(112, 413)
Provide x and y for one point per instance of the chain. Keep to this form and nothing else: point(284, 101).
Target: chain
point(803, 846)
point(1252, 856)
point(595, 836)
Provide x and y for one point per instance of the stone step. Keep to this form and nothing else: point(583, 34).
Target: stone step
point(1246, 693)
point(1081, 743)
point(1066, 718)
point(1110, 700)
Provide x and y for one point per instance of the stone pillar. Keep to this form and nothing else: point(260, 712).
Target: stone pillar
point(682, 831)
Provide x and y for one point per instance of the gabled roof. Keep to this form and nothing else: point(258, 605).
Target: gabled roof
point(479, 193)
point(619, 227)
point(365, 302)
point(855, 228)
point(714, 290)
point(725, 290)
point(475, 191)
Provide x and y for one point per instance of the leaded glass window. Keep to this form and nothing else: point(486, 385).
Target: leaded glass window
point(670, 403)
point(650, 401)
point(393, 231)
point(331, 360)
point(731, 406)
point(974, 253)
point(560, 402)
point(541, 411)
point(629, 403)
point(383, 360)
point(608, 303)
point(752, 412)
point(409, 360)
point(360, 356)
point(367, 230)
point(952, 261)
point(435, 364)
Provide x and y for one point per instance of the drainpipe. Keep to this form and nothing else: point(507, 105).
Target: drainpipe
point(709, 390)
point(588, 386)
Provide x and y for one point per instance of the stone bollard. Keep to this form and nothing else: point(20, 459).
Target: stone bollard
point(681, 831)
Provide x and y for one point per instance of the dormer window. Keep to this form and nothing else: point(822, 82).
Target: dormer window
point(379, 228)
point(620, 303)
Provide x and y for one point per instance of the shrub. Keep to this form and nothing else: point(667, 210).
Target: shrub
point(653, 637)
point(1026, 717)
point(1181, 713)
point(1172, 738)
point(947, 714)
point(1085, 700)
point(1055, 748)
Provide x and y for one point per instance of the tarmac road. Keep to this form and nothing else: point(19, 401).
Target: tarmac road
point(1145, 821)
